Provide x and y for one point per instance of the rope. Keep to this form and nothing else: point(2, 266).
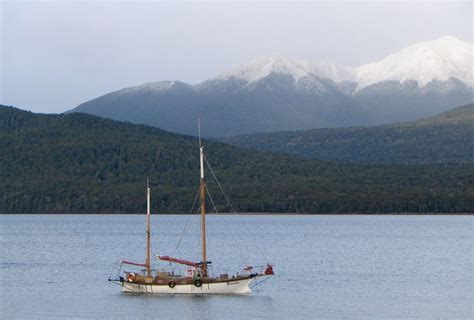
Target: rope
point(220, 186)
point(119, 272)
point(260, 252)
point(212, 200)
point(187, 221)
point(257, 283)
point(234, 238)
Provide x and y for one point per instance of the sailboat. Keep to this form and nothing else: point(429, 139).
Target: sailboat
point(197, 279)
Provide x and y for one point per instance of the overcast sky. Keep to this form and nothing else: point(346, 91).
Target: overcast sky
point(56, 55)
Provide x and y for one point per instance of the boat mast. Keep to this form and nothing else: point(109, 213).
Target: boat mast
point(202, 187)
point(148, 246)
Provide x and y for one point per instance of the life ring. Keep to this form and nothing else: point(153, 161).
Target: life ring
point(131, 277)
point(171, 284)
point(197, 283)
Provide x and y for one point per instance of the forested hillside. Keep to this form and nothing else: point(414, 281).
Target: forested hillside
point(446, 138)
point(85, 164)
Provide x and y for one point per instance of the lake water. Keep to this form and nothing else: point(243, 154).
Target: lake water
point(56, 266)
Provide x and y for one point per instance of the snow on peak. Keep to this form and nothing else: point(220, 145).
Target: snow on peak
point(151, 87)
point(332, 71)
point(261, 67)
point(439, 59)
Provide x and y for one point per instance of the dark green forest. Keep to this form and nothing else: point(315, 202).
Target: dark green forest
point(446, 138)
point(78, 163)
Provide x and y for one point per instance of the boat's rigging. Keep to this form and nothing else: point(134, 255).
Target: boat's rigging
point(234, 238)
point(197, 279)
point(219, 185)
point(258, 282)
point(212, 200)
point(188, 220)
point(208, 193)
point(229, 203)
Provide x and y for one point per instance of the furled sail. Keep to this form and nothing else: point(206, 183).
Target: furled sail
point(180, 261)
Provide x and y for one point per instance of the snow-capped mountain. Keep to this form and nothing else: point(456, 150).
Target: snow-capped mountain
point(336, 73)
point(162, 86)
point(261, 67)
point(440, 59)
point(274, 93)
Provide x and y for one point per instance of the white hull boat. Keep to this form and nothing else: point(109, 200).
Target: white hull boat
point(197, 278)
point(226, 287)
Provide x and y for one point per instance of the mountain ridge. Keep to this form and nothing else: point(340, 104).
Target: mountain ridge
point(438, 59)
point(277, 93)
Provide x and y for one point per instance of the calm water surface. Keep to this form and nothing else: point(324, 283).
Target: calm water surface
point(56, 266)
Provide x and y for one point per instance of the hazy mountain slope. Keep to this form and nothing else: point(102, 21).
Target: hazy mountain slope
point(230, 106)
point(161, 104)
point(392, 101)
point(274, 93)
point(460, 116)
point(448, 137)
point(82, 163)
